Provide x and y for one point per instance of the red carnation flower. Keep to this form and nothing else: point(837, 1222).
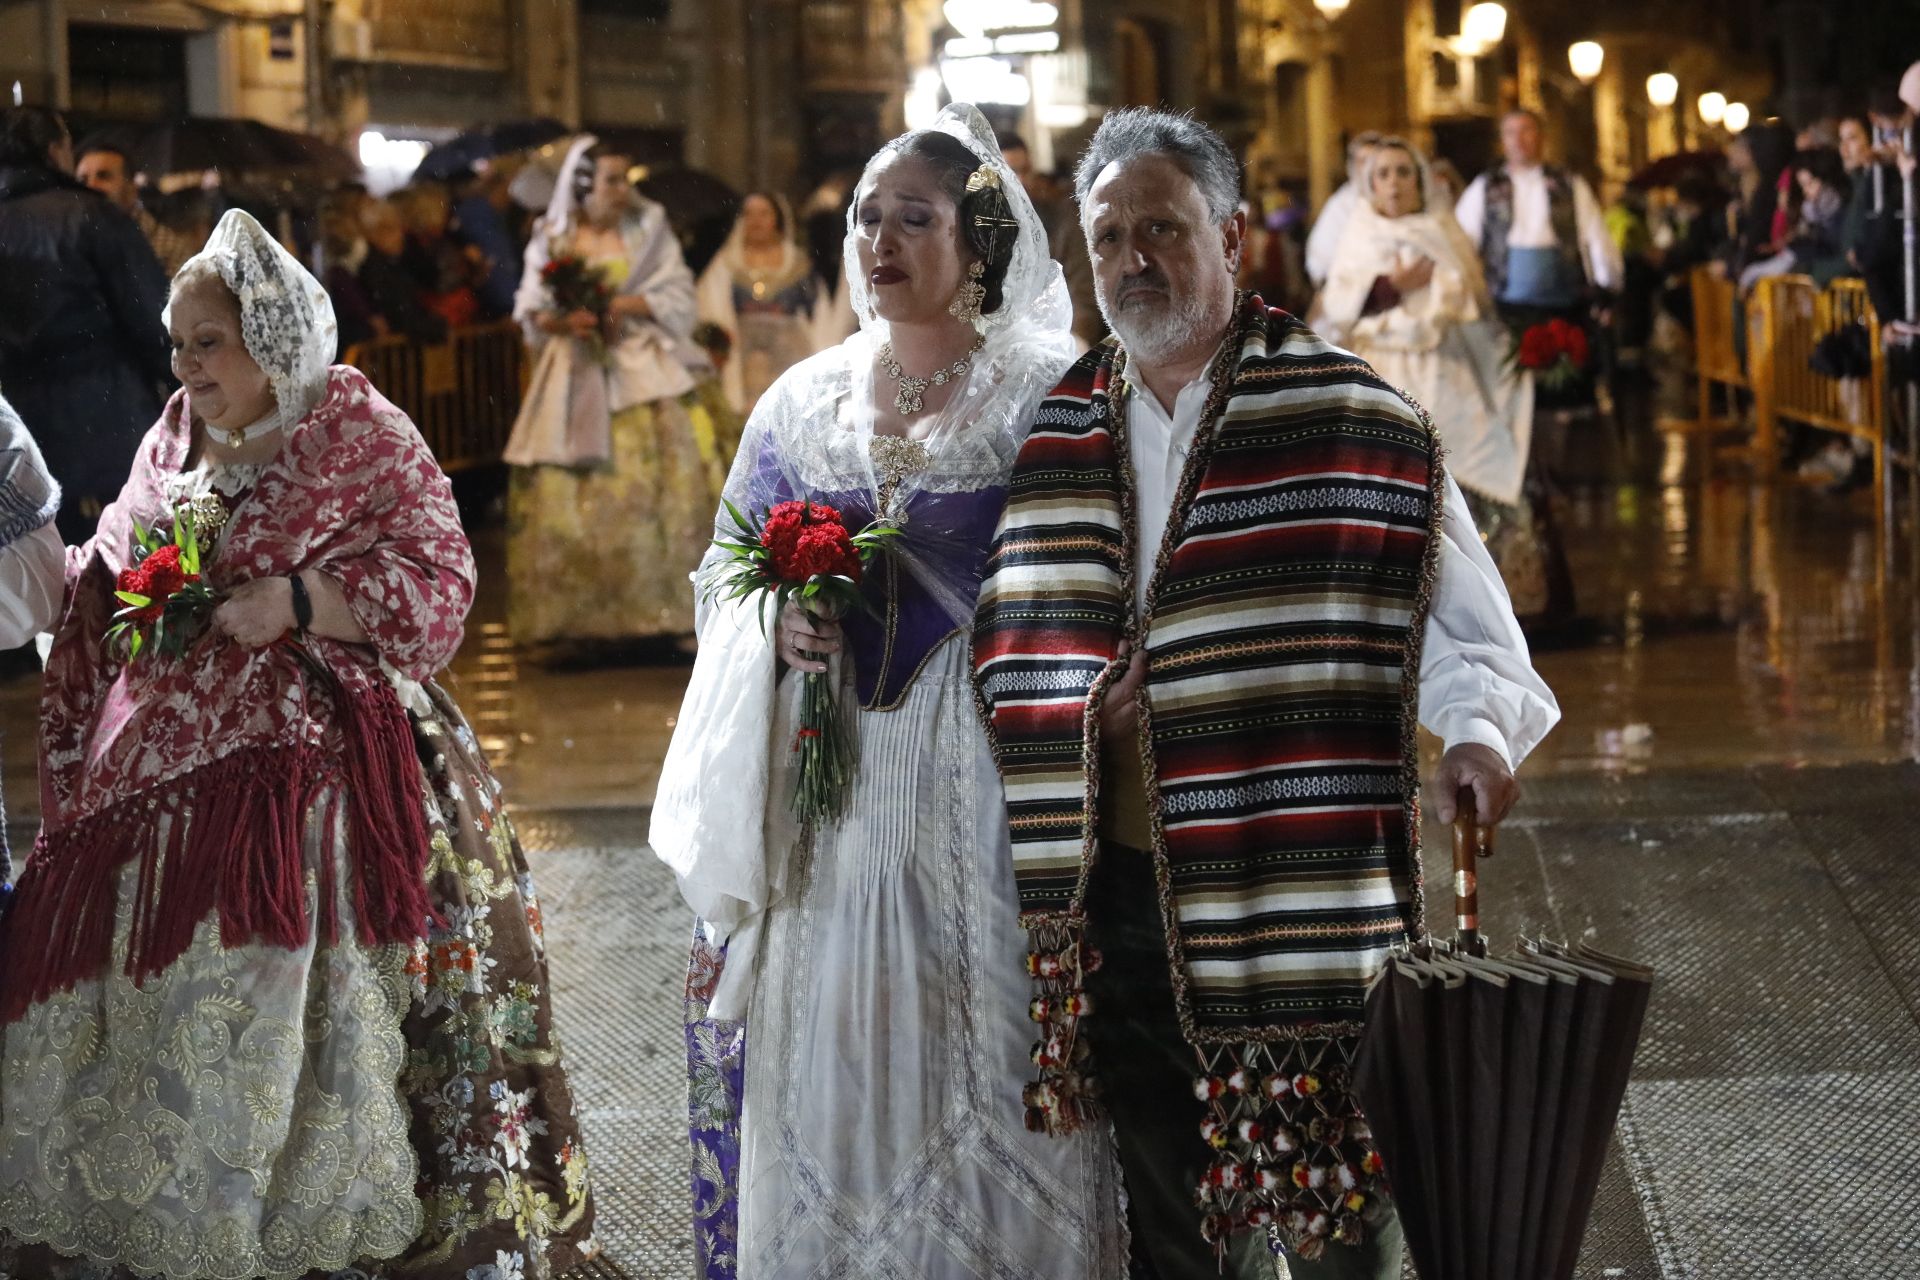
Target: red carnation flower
point(828, 548)
point(1538, 348)
point(803, 539)
point(1575, 346)
point(164, 574)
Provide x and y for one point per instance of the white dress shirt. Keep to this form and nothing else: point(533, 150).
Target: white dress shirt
point(1324, 239)
point(1533, 221)
point(1477, 682)
point(33, 580)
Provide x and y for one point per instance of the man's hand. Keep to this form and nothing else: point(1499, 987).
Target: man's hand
point(1471, 766)
point(1120, 710)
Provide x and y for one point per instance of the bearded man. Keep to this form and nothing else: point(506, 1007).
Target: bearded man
point(1231, 578)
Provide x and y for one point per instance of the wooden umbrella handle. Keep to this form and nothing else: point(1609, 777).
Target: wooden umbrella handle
point(1471, 841)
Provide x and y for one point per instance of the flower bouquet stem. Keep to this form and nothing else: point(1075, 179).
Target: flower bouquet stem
point(801, 553)
point(825, 748)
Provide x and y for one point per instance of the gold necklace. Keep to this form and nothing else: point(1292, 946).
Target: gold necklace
point(912, 390)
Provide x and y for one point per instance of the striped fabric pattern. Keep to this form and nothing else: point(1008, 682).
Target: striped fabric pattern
point(1282, 629)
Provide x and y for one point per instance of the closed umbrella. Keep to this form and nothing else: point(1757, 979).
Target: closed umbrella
point(1491, 1087)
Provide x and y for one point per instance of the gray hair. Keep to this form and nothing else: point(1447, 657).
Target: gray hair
point(1202, 154)
point(1361, 141)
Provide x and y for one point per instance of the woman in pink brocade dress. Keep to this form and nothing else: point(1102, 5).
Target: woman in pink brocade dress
point(273, 997)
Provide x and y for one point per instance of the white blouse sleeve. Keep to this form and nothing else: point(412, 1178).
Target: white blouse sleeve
point(1477, 682)
point(1597, 247)
point(32, 582)
point(1471, 212)
point(1324, 239)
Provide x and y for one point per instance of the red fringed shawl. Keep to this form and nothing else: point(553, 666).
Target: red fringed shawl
point(203, 771)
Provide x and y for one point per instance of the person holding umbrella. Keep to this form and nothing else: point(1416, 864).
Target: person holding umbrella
point(1232, 579)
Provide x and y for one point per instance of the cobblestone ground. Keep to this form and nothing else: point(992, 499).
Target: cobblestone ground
point(1769, 1129)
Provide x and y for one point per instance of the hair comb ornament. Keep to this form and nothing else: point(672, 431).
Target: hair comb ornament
point(983, 178)
point(994, 216)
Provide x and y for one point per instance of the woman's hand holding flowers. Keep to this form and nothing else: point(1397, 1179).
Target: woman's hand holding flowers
point(805, 641)
point(258, 612)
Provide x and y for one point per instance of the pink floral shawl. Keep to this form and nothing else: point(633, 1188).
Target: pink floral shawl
point(204, 770)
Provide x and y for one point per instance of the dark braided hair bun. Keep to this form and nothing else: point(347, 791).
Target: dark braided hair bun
point(953, 164)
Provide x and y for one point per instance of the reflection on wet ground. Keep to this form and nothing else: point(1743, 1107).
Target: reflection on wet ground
point(1720, 624)
point(1723, 623)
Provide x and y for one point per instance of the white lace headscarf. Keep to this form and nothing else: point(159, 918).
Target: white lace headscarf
point(563, 204)
point(1423, 172)
point(286, 318)
point(1433, 221)
point(1035, 306)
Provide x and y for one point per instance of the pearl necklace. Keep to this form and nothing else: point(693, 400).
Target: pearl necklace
point(909, 400)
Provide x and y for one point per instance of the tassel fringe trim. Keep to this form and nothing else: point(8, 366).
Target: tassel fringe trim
point(227, 838)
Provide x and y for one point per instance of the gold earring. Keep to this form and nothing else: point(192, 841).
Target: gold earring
point(966, 301)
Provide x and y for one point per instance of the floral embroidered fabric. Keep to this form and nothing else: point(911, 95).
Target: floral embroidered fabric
point(371, 1112)
point(238, 1117)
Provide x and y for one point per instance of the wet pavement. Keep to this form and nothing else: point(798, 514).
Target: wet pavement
point(1728, 798)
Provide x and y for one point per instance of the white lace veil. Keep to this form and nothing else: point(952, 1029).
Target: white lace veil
point(561, 205)
point(1434, 214)
point(286, 318)
point(1421, 168)
point(1035, 305)
point(811, 433)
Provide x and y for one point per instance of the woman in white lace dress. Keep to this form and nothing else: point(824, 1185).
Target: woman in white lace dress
point(870, 971)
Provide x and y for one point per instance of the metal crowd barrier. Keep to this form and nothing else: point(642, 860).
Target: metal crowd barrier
point(1793, 316)
point(1786, 318)
point(463, 394)
point(1716, 355)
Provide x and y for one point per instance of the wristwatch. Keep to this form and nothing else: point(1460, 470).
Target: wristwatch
point(302, 605)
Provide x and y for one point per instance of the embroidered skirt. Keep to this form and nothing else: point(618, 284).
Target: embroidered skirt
point(330, 1110)
point(606, 552)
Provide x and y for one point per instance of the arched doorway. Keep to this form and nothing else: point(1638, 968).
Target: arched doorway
point(1137, 64)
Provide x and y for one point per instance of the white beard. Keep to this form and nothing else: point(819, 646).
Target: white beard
point(1155, 333)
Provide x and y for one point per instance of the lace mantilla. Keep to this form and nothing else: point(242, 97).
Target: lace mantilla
point(286, 318)
point(830, 453)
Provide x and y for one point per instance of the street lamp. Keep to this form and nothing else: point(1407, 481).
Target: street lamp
point(1483, 27)
point(1713, 108)
point(1662, 89)
point(1331, 9)
point(1586, 58)
point(1735, 117)
point(977, 17)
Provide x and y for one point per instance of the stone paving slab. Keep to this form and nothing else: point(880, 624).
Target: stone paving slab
point(1770, 1126)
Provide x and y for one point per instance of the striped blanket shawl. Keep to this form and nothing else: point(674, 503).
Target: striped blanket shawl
point(1282, 627)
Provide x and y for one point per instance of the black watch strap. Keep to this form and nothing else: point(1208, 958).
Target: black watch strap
point(302, 604)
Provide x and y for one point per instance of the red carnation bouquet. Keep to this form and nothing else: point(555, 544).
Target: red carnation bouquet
point(166, 604)
point(802, 552)
point(577, 285)
point(1554, 351)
